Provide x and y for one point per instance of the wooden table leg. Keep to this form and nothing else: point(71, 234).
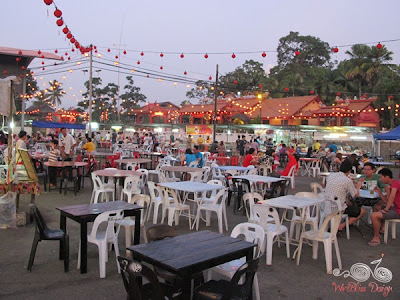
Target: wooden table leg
point(187, 287)
point(17, 202)
point(83, 247)
point(136, 239)
point(63, 226)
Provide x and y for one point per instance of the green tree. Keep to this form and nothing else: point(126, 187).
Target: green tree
point(201, 92)
point(99, 103)
point(313, 51)
point(132, 95)
point(55, 93)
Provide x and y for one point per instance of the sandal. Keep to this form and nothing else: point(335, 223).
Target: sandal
point(374, 243)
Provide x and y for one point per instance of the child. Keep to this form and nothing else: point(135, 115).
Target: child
point(53, 157)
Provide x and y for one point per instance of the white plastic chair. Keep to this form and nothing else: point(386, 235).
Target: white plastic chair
point(174, 208)
point(102, 237)
point(252, 171)
point(263, 213)
point(249, 199)
point(156, 200)
point(311, 216)
point(327, 238)
point(206, 174)
point(216, 173)
point(131, 166)
point(315, 168)
point(252, 233)
point(316, 188)
point(131, 187)
point(291, 176)
point(325, 210)
point(393, 223)
point(144, 178)
point(129, 224)
point(193, 164)
point(100, 189)
point(218, 206)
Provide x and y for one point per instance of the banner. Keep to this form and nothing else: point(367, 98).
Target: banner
point(199, 129)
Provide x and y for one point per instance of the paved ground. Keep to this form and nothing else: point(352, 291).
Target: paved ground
point(283, 280)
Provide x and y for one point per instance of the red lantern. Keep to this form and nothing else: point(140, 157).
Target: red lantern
point(77, 45)
point(62, 57)
point(206, 55)
point(260, 85)
point(286, 89)
point(161, 68)
point(60, 22)
point(297, 52)
point(20, 76)
point(69, 35)
point(116, 56)
point(4, 72)
point(148, 76)
point(391, 97)
point(182, 56)
point(32, 73)
point(365, 96)
point(42, 56)
point(311, 92)
point(379, 46)
point(17, 59)
point(264, 54)
point(48, 2)
point(185, 73)
point(233, 55)
point(138, 62)
point(124, 51)
point(336, 49)
point(235, 82)
point(338, 94)
point(65, 30)
point(43, 68)
point(58, 13)
point(72, 40)
point(95, 47)
point(210, 78)
point(42, 62)
point(19, 52)
point(73, 50)
point(142, 53)
point(66, 53)
point(83, 49)
point(23, 68)
point(39, 52)
point(56, 51)
point(69, 57)
point(161, 54)
point(108, 50)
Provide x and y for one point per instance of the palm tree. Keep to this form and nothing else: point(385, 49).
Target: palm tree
point(55, 93)
point(365, 64)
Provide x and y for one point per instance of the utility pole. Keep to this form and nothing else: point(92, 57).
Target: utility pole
point(90, 89)
point(215, 104)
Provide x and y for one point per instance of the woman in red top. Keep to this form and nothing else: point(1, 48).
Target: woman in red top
point(250, 159)
point(292, 162)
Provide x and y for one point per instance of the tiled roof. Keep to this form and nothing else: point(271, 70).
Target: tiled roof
point(28, 53)
point(150, 108)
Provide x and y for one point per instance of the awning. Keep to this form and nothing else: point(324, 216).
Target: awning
point(393, 134)
point(42, 124)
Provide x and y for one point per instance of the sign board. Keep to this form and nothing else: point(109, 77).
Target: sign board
point(199, 129)
point(30, 169)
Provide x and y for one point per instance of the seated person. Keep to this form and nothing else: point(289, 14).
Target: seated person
point(340, 185)
point(188, 157)
point(251, 158)
point(388, 212)
point(291, 150)
point(365, 159)
point(198, 155)
point(320, 154)
point(221, 149)
point(89, 146)
point(292, 162)
point(214, 147)
point(370, 180)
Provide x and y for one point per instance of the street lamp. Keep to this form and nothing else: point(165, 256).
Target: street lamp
point(259, 96)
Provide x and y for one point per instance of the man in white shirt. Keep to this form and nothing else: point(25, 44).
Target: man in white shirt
point(340, 185)
point(67, 144)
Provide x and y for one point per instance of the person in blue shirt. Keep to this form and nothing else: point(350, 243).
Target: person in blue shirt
point(198, 155)
point(333, 147)
point(188, 157)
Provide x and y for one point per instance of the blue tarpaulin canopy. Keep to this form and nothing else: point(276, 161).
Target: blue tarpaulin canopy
point(393, 134)
point(42, 124)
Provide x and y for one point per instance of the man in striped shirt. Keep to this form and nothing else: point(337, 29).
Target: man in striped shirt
point(53, 157)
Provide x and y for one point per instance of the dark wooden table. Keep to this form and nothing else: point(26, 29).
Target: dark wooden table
point(88, 212)
point(189, 254)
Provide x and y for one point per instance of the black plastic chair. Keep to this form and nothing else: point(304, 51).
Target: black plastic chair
point(133, 274)
point(230, 290)
point(43, 233)
point(88, 174)
point(242, 186)
point(41, 172)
